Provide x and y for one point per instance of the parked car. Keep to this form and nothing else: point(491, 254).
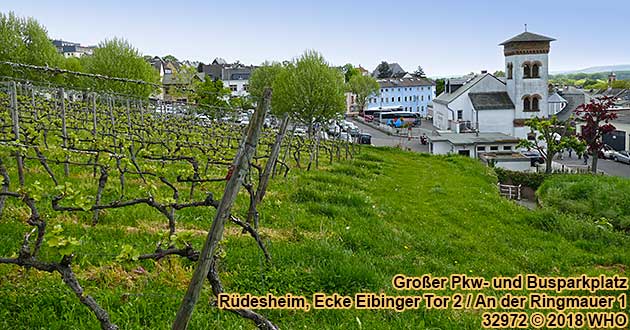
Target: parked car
point(622, 157)
point(607, 152)
point(534, 156)
point(365, 138)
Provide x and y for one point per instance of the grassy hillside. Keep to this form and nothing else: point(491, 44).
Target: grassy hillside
point(345, 229)
point(600, 198)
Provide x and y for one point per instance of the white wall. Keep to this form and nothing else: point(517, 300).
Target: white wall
point(521, 166)
point(240, 86)
point(441, 148)
point(497, 121)
point(462, 102)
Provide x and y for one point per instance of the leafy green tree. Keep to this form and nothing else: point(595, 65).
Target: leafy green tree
point(118, 58)
point(439, 86)
point(309, 90)
point(383, 71)
point(363, 87)
point(499, 73)
point(170, 58)
point(214, 96)
point(26, 41)
point(552, 136)
point(620, 84)
point(184, 83)
point(349, 71)
point(241, 103)
point(262, 77)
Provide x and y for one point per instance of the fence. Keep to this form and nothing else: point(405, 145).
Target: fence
point(510, 191)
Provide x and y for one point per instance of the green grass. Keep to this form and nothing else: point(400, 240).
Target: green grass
point(591, 196)
point(347, 228)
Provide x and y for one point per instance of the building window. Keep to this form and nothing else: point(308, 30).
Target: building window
point(233, 88)
point(405, 99)
point(392, 99)
point(381, 100)
point(526, 104)
point(494, 148)
point(481, 148)
point(421, 97)
point(536, 70)
point(460, 114)
point(527, 70)
point(418, 108)
point(535, 103)
point(429, 97)
point(531, 136)
point(507, 147)
point(246, 88)
point(510, 70)
point(531, 102)
point(399, 99)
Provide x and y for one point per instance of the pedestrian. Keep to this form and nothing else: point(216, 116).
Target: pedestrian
point(570, 152)
point(585, 159)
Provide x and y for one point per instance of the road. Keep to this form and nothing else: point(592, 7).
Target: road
point(381, 139)
point(607, 166)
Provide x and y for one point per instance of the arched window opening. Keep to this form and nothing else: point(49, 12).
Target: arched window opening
point(526, 104)
point(536, 70)
point(509, 70)
point(527, 70)
point(535, 101)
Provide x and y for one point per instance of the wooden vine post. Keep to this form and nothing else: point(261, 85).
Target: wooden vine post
point(241, 168)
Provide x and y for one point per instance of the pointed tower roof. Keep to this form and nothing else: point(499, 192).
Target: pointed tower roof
point(527, 37)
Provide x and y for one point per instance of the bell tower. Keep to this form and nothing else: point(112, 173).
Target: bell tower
point(527, 76)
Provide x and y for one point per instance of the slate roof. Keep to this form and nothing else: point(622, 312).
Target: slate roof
point(556, 98)
point(446, 98)
point(472, 138)
point(491, 101)
point(405, 82)
point(527, 37)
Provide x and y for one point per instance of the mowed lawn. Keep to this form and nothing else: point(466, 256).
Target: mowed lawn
point(345, 228)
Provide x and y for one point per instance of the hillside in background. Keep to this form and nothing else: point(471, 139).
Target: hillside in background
point(598, 69)
point(346, 228)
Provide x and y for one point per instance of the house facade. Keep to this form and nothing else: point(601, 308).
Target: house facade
point(409, 94)
point(235, 76)
point(72, 49)
point(487, 104)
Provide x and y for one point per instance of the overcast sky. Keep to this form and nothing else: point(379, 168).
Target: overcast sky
point(444, 37)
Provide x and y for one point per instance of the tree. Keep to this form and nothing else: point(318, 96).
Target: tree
point(170, 58)
point(596, 116)
point(184, 83)
point(552, 136)
point(363, 87)
point(309, 90)
point(419, 72)
point(439, 86)
point(263, 77)
point(118, 58)
point(349, 71)
point(383, 70)
point(499, 73)
point(620, 84)
point(25, 41)
point(241, 103)
point(213, 95)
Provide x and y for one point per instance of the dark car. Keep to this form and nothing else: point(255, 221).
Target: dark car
point(534, 156)
point(364, 138)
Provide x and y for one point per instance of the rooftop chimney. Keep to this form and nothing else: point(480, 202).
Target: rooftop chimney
point(484, 71)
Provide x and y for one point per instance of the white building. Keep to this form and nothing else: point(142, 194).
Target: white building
point(487, 104)
point(408, 94)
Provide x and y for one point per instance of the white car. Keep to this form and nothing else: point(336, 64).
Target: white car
point(621, 156)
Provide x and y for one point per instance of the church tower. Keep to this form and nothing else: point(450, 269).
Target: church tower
point(527, 76)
